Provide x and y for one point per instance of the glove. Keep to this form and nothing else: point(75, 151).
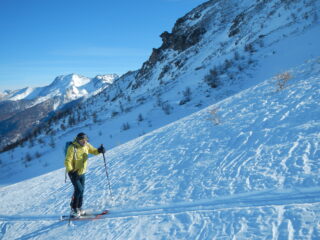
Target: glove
point(101, 149)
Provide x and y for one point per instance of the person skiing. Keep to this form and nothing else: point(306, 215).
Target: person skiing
point(76, 164)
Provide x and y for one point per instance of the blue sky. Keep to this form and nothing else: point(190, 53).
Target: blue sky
point(41, 39)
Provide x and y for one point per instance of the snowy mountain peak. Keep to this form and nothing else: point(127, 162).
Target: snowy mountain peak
point(70, 80)
point(108, 78)
point(5, 92)
point(62, 86)
point(15, 95)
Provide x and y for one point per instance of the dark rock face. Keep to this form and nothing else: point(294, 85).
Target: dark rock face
point(181, 42)
point(182, 37)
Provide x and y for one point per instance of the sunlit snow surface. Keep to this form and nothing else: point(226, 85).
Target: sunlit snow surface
point(244, 168)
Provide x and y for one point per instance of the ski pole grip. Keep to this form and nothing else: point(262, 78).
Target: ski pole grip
point(101, 146)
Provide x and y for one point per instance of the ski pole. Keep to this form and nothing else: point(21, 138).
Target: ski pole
point(105, 165)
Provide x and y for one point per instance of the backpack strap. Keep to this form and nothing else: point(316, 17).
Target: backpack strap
point(74, 152)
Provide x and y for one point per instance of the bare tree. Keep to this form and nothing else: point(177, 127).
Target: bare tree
point(214, 117)
point(140, 118)
point(212, 79)
point(125, 126)
point(282, 80)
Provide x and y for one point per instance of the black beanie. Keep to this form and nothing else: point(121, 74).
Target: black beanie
point(82, 136)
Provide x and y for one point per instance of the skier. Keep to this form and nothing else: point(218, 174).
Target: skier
point(76, 164)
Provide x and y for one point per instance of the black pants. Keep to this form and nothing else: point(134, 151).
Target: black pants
point(78, 182)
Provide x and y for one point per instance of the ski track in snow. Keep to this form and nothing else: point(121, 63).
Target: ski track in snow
point(250, 200)
point(247, 208)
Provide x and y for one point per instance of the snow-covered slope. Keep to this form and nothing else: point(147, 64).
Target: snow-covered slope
point(241, 44)
point(235, 39)
point(244, 168)
point(214, 51)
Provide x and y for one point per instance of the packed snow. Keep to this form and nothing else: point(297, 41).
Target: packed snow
point(246, 167)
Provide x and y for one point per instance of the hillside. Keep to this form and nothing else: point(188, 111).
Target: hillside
point(213, 52)
point(244, 168)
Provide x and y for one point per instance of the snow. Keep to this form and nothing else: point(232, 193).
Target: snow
point(20, 94)
point(109, 78)
point(244, 168)
point(66, 87)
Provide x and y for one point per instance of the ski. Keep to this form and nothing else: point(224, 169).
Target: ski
point(89, 216)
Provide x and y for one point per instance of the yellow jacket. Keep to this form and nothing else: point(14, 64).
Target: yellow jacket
point(76, 160)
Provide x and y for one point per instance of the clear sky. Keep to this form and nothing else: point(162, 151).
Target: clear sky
point(42, 39)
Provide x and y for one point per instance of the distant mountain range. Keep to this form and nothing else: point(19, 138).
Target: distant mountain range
point(67, 87)
point(23, 109)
